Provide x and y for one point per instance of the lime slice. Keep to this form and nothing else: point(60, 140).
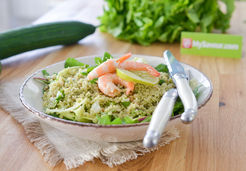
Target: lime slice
point(137, 77)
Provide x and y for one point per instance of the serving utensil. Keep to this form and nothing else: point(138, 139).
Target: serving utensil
point(164, 108)
point(185, 92)
point(160, 118)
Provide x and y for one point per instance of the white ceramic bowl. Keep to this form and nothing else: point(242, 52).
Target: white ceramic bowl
point(31, 98)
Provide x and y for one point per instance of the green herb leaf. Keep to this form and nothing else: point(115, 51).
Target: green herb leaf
point(45, 73)
point(162, 68)
point(94, 81)
point(161, 82)
point(148, 21)
point(88, 70)
point(178, 107)
point(126, 104)
point(70, 62)
point(98, 60)
point(84, 73)
point(106, 56)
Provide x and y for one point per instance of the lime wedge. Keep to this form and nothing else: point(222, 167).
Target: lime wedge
point(137, 77)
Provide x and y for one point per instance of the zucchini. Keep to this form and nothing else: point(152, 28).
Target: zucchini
point(42, 35)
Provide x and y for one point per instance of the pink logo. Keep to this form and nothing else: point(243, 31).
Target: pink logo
point(187, 43)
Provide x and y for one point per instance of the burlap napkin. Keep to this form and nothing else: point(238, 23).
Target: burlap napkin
point(57, 146)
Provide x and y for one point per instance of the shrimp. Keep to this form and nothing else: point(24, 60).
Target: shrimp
point(110, 67)
point(104, 68)
point(107, 67)
point(106, 84)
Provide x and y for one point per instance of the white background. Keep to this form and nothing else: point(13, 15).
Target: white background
point(15, 13)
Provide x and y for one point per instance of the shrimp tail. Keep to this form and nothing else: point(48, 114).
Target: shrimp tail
point(152, 71)
point(123, 58)
point(129, 87)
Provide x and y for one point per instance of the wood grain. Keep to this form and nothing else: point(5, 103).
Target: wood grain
point(214, 141)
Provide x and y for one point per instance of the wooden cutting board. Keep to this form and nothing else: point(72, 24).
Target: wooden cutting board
point(214, 141)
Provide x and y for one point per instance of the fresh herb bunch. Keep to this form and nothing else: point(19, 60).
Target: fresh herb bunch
point(148, 21)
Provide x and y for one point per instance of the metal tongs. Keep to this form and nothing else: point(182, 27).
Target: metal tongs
point(164, 109)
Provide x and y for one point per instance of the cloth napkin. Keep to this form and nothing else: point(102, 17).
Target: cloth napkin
point(57, 146)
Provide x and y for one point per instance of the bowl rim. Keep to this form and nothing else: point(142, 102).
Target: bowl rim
point(43, 115)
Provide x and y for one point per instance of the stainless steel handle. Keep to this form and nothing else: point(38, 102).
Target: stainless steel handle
point(160, 118)
point(187, 97)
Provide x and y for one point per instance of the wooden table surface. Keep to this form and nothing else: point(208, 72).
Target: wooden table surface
point(216, 140)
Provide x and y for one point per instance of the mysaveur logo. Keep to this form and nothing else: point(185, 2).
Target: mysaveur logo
point(189, 43)
point(210, 44)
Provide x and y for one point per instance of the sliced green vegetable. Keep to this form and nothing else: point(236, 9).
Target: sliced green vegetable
point(68, 116)
point(60, 95)
point(86, 120)
point(116, 121)
point(54, 114)
point(104, 119)
point(196, 92)
point(129, 120)
point(162, 68)
point(195, 85)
